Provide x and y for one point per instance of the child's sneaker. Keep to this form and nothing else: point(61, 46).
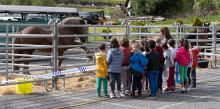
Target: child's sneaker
point(139, 96)
point(193, 86)
point(118, 95)
point(172, 89)
point(188, 89)
point(152, 96)
point(106, 95)
point(183, 90)
point(167, 90)
point(112, 95)
point(99, 95)
point(133, 95)
point(127, 92)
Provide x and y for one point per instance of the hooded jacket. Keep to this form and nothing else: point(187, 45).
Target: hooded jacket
point(154, 60)
point(138, 62)
point(101, 65)
point(168, 56)
point(115, 58)
point(195, 53)
point(183, 56)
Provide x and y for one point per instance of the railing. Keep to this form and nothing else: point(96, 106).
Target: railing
point(79, 59)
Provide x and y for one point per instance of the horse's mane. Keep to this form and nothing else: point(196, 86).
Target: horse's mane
point(72, 20)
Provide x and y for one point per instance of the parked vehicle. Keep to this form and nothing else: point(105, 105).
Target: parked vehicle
point(36, 17)
point(103, 19)
point(10, 17)
point(89, 17)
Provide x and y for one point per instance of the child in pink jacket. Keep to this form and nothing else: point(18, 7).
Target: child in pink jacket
point(183, 58)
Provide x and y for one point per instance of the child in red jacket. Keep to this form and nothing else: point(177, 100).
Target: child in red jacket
point(195, 52)
point(125, 75)
point(159, 49)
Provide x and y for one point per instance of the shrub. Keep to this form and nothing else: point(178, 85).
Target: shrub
point(179, 20)
point(139, 23)
point(197, 22)
point(104, 30)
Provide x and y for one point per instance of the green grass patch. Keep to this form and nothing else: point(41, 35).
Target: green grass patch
point(91, 9)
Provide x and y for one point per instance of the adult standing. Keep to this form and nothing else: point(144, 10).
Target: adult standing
point(164, 31)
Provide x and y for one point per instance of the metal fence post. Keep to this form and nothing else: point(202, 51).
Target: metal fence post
point(126, 29)
point(55, 44)
point(129, 32)
point(54, 59)
point(7, 31)
point(214, 44)
point(197, 36)
point(177, 36)
point(13, 40)
point(94, 44)
point(107, 31)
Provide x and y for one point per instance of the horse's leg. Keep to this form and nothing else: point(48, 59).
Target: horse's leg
point(16, 62)
point(29, 52)
point(60, 60)
point(17, 51)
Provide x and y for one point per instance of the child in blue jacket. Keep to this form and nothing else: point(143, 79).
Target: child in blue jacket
point(138, 63)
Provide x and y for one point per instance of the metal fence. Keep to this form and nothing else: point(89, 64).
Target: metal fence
point(74, 57)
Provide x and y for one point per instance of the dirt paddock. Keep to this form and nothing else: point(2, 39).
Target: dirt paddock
point(71, 84)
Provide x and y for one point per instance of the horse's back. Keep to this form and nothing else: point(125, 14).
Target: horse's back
point(36, 30)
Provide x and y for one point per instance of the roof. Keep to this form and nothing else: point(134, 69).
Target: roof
point(35, 9)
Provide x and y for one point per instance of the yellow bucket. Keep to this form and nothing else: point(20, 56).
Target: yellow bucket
point(25, 88)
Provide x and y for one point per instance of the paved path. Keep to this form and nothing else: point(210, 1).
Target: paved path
point(205, 96)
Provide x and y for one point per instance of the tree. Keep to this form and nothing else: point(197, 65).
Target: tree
point(205, 5)
point(158, 7)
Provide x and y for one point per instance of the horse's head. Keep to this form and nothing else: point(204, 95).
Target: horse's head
point(207, 25)
point(76, 30)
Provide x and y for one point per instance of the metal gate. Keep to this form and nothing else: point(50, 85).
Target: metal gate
point(74, 57)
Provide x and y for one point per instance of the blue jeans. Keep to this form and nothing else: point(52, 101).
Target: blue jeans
point(153, 77)
point(113, 77)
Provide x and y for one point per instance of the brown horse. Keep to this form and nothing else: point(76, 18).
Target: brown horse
point(203, 30)
point(48, 41)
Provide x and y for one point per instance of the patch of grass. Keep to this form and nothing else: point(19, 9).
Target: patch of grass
point(168, 22)
point(91, 9)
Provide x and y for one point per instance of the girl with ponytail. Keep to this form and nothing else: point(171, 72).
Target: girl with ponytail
point(183, 58)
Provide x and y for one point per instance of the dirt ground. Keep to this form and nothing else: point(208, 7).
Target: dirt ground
point(72, 84)
point(76, 83)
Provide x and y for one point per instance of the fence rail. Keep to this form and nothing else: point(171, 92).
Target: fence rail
point(76, 56)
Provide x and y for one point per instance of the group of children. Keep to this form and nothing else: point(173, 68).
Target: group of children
point(153, 61)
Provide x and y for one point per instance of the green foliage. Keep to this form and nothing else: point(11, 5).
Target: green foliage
point(139, 23)
point(179, 20)
point(104, 30)
point(158, 7)
point(205, 5)
point(217, 4)
point(197, 22)
point(167, 7)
